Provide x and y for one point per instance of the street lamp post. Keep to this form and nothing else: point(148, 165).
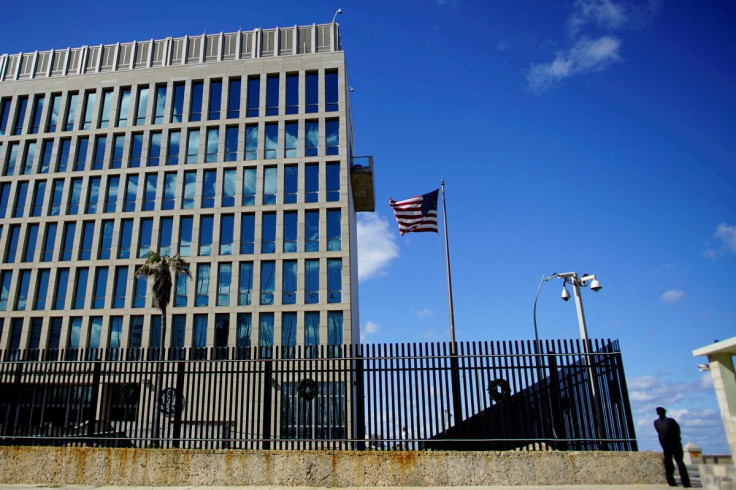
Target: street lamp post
point(577, 282)
point(572, 278)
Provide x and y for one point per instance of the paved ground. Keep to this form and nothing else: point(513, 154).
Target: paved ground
point(551, 487)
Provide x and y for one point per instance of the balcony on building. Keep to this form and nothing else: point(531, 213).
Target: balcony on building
point(361, 179)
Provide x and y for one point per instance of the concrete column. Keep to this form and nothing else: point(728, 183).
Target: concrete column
point(724, 382)
point(693, 453)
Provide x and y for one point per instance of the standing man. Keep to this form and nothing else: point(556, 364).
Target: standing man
point(669, 437)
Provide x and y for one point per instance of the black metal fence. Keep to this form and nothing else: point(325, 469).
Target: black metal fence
point(489, 396)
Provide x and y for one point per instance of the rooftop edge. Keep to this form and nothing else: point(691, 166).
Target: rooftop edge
point(171, 51)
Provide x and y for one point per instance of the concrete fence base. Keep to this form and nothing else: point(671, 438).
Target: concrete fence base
point(155, 467)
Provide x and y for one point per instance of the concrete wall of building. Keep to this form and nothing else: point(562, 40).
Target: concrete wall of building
point(721, 366)
point(718, 476)
point(724, 383)
point(146, 467)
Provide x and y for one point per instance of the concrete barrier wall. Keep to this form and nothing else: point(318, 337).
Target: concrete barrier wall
point(149, 467)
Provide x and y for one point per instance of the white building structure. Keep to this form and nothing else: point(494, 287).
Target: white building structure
point(720, 363)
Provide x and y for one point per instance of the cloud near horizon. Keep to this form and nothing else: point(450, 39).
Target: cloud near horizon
point(585, 56)
point(703, 426)
point(367, 330)
point(377, 246)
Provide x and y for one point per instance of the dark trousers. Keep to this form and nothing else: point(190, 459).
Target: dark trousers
point(669, 468)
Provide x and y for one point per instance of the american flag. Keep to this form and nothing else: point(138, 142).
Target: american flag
point(417, 213)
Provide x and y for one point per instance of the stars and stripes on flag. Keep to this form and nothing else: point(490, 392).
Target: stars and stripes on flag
point(417, 213)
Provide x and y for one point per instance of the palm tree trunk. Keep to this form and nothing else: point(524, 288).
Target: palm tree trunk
point(159, 381)
point(161, 355)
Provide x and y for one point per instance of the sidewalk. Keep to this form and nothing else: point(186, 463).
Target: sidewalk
point(663, 486)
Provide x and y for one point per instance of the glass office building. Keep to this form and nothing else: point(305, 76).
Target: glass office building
point(233, 150)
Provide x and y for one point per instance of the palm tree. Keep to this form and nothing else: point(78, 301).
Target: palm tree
point(160, 268)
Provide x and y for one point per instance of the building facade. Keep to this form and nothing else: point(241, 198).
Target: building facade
point(233, 150)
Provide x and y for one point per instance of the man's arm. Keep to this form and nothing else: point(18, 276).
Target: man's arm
point(675, 428)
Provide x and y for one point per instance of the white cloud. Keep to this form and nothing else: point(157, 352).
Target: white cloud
point(369, 328)
point(586, 20)
point(586, 56)
point(610, 15)
point(649, 391)
point(726, 236)
point(672, 296)
point(425, 312)
point(377, 245)
point(600, 13)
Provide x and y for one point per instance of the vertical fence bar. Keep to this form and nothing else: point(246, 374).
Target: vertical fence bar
point(179, 404)
point(247, 418)
point(415, 392)
point(425, 397)
point(375, 398)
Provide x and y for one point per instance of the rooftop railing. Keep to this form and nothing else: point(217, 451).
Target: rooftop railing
point(204, 48)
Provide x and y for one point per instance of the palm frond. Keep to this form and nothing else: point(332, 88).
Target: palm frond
point(159, 268)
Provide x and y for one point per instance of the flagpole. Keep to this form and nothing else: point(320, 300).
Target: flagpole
point(454, 361)
point(453, 348)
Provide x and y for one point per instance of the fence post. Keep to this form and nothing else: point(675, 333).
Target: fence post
point(97, 374)
point(593, 361)
point(558, 421)
point(267, 373)
point(358, 396)
point(179, 408)
point(625, 402)
point(11, 417)
point(456, 403)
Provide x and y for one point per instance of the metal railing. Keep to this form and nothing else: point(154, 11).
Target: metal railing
point(513, 395)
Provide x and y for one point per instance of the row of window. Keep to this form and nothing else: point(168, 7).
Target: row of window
point(300, 231)
point(197, 330)
point(128, 149)
point(276, 282)
point(194, 101)
point(193, 189)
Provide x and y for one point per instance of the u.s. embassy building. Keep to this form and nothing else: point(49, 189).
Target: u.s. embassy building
point(232, 150)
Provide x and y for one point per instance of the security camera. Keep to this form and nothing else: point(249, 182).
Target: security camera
point(703, 367)
point(565, 294)
point(595, 285)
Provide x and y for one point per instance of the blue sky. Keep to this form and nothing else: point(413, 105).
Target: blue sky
point(582, 135)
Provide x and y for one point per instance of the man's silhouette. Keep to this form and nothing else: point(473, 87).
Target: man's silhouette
point(669, 437)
